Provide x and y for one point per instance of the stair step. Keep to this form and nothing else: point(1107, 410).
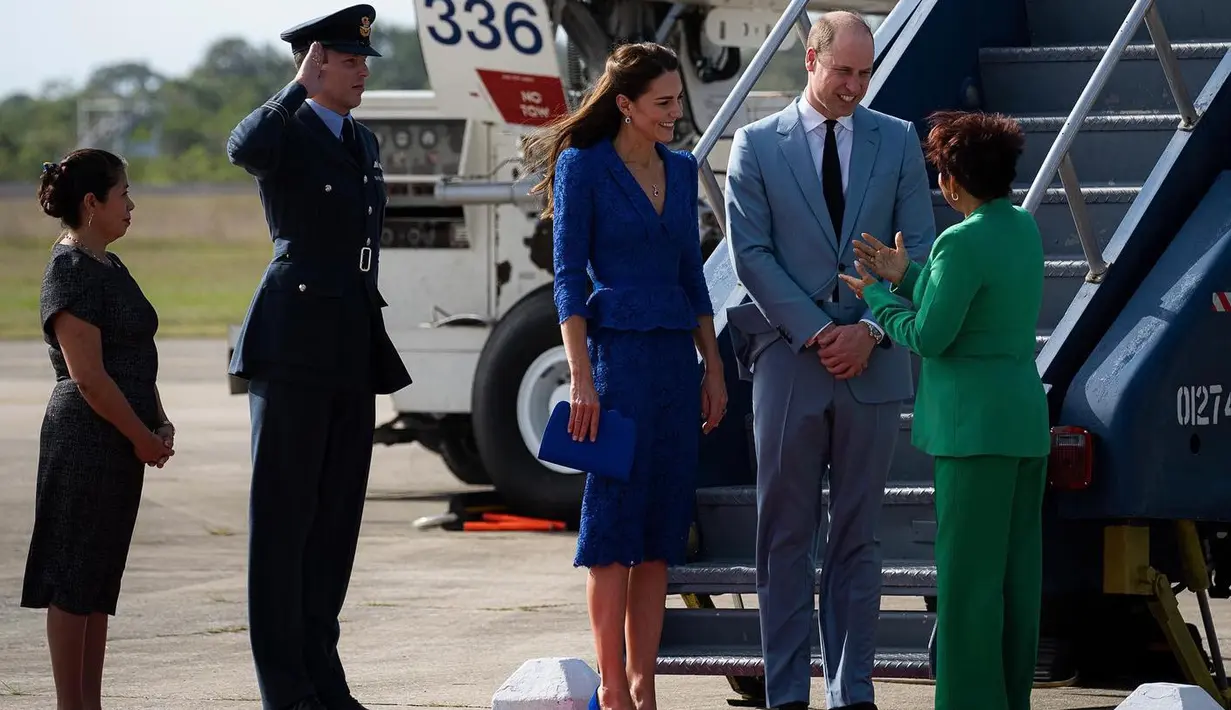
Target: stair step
point(691, 632)
point(1095, 21)
point(1049, 79)
point(728, 642)
point(746, 496)
point(684, 656)
point(1109, 148)
point(890, 663)
point(727, 518)
point(901, 578)
point(1106, 207)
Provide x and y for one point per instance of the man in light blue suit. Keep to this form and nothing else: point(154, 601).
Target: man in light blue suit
point(827, 386)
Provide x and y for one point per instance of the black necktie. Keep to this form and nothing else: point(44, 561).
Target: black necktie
point(831, 179)
point(349, 140)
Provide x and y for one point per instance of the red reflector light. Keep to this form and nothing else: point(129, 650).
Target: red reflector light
point(1070, 466)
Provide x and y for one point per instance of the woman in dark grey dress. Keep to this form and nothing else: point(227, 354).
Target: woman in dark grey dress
point(104, 421)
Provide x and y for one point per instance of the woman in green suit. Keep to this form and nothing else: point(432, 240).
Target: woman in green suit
point(980, 409)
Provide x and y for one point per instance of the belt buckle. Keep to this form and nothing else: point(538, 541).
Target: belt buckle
point(365, 259)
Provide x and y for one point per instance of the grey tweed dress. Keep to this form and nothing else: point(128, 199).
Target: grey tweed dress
point(89, 477)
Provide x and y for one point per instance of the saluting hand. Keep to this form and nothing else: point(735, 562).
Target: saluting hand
point(309, 75)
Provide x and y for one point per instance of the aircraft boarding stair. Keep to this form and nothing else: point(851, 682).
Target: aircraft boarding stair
point(1123, 129)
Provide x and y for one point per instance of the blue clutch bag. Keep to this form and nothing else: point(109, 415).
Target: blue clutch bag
point(610, 455)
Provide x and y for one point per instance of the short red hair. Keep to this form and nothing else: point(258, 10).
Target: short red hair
point(979, 150)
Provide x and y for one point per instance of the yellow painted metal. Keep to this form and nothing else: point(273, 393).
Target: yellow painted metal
point(1192, 556)
point(1126, 560)
point(1127, 570)
point(1166, 611)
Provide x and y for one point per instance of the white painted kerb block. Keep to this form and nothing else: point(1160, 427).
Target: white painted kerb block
point(548, 684)
point(1168, 696)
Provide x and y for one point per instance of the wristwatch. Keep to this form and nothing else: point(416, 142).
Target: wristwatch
point(877, 335)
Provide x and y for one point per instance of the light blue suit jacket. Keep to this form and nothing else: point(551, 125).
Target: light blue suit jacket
point(783, 245)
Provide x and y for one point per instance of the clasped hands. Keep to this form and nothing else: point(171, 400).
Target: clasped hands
point(157, 447)
point(844, 349)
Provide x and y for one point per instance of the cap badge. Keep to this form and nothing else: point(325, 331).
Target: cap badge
point(365, 27)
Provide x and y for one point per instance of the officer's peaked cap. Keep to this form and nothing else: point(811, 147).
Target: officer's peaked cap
point(348, 30)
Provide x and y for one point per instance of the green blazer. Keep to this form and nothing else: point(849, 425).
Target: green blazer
point(972, 318)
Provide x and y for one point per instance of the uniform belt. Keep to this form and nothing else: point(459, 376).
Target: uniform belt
point(363, 259)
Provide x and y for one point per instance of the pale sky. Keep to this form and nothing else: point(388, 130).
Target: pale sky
point(67, 39)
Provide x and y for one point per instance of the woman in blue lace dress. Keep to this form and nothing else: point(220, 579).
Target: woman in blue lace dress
point(624, 209)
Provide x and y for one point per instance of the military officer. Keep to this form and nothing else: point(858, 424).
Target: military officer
point(315, 352)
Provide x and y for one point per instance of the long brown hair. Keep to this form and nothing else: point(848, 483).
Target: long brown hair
point(629, 71)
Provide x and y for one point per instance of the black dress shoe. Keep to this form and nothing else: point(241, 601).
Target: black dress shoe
point(796, 705)
point(858, 706)
point(309, 703)
point(345, 704)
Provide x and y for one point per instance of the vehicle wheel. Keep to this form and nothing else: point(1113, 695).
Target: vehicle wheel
point(521, 375)
point(461, 455)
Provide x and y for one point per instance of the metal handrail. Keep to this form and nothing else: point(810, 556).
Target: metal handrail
point(796, 13)
point(893, 24)
point(751, 75)
point(1058, 158)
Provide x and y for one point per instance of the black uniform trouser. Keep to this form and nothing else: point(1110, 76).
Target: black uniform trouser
point(311, 452)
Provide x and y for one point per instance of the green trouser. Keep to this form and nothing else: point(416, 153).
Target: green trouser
point(989, 579)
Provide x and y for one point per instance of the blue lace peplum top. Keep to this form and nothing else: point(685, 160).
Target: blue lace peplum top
point(645, 267)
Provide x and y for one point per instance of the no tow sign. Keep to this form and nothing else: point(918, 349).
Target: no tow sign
point(524, 99)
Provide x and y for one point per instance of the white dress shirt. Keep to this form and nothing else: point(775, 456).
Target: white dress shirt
point(814, 127)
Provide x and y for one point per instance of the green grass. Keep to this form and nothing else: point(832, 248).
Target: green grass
point(198, 285)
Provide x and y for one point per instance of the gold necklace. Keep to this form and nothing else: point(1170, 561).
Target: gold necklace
point(641, 167)
point(89, 252)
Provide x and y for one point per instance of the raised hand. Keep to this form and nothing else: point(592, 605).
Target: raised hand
point(889, 264)
point(309, 75)
point(857, 284)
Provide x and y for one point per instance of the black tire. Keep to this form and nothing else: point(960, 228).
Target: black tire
point(461, 455)
point(530, 488)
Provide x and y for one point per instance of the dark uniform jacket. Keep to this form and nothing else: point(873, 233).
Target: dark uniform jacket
point(316, 314)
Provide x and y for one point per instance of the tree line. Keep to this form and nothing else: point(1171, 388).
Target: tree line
point(174, 129)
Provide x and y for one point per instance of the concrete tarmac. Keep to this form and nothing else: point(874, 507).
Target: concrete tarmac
point(433, 619)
